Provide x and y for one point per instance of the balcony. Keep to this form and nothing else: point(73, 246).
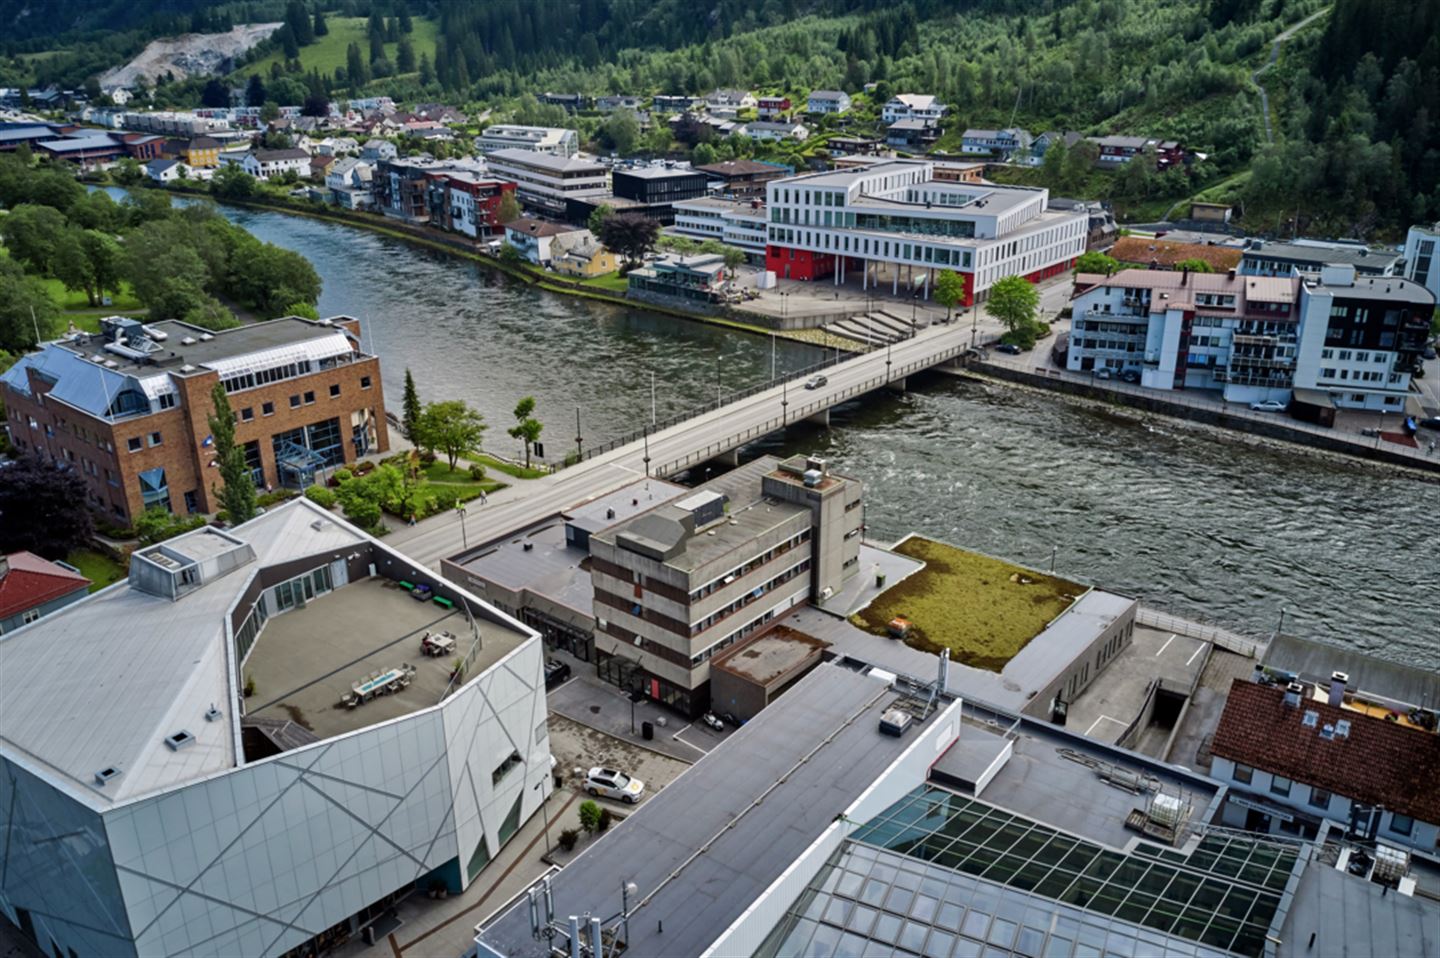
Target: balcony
point(1125, 317)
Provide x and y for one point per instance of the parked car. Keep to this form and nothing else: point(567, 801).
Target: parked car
point(1429, 352)
point(1269, 405)
point(1429, 422)
point(816, 381)
point(1130, 376)
point(1009, 349)
point(1104, 374)
point(609, 783)
point(555, 673)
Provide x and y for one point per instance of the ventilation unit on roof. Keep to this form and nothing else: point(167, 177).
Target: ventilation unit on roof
point(179, 740)
point(1311, 719)
point(187, 368)
point(212, 714)
point(105, 774)
point(189, 341)
point(318, 524)
point(206, 337)
point(97, 358)
point(1342, 728)
point(111, 364)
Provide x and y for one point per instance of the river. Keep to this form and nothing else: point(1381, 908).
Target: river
point(1188, 520)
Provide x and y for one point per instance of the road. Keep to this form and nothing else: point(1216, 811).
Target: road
point(674, 449)
point(1286, 34)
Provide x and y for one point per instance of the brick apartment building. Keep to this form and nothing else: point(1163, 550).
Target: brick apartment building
point(127, 408)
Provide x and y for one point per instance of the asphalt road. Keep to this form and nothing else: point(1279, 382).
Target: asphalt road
point(691, 442)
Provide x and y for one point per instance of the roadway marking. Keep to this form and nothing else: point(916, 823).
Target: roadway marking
point(1166, 645)
point(1103, 718)
point(1197, 651)
point(676, 737)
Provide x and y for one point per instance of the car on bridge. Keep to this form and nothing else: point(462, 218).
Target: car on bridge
point(816, 381)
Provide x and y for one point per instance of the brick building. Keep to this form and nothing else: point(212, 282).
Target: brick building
point(128, 407)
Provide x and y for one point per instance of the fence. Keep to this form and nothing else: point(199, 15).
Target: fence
point(1217, 412)
point(1223, 638)
point(796, 414)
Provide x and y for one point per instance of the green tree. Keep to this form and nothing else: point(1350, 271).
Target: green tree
point(427, 72)
point(598, 216)
point(320, 27)
point(270, 111)
point(411, 409)
point(24, 307)
point(1195, 266)
point(949, 290)
point(630, 234)
point(255, 91)
point(44, 506)
point(527, 428)
point(209, 313)
point(657, 140)
point(364, 497)
point(355, 69)
point(127, 172)
point(509, 208)
point(703, 154)
point(1096, 262)
point(72, 267)
point(405, 56)
point(169, 279)
point(32, 233)
point(451, 427)
point(104, 255)
point(232, 182)
point(236, 494)
point(590, 816)
point(1015, 302)
point(622, 131)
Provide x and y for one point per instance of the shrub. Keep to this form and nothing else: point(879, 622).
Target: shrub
point(342, 475)
point(606, 817)
point(321, 496)
point(568, 838)
point(477, 472)
point(267, 499)
point(590, 816)
point(156, 524)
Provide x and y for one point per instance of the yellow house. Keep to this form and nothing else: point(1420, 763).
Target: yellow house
point(203, 152)
point(586, 260)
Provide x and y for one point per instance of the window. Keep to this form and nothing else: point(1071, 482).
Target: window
point(309, 398)
point(29, 616)
point(1402, 824)
point(155, 439)
point(504, 768)
point(267, 409)
point(1319, 797)
point(1280, 785)
point(134, 444)
point(295, 402)
point(334, 390)
point(247, 414)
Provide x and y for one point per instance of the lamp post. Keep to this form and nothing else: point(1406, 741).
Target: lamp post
point(772, 356)
point(652, 398)
point(1280, 626)
point(579, 441)
point(545, 813)
point(464, 542)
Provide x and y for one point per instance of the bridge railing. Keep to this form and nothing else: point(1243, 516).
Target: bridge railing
point(792, 413)
point(636, 435)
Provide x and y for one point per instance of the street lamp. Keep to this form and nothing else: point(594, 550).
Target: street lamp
point(464, 542)
point(545, 813)
point(1281, 625)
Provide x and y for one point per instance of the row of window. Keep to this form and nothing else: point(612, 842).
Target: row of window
point(1362, 356)
point(720, 581)
point(1368, 376)
point(758, 592)
point(1318, 797)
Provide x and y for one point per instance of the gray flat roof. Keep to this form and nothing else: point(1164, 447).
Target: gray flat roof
point(592, 515)
point(655, 172)
point(832, 712)
point(250, 338)
point(1361, 257)
point(1391, 288)
point(1316, 660)
point(1350, 916)
point(550, 568)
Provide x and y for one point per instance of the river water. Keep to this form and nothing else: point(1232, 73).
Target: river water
point(1188, 520)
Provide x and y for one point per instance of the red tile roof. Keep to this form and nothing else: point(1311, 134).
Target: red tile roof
point(34, 581)
point(1379, 763)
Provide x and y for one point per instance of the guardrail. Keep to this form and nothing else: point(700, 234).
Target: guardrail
point(796, 414)
point(1221, 638)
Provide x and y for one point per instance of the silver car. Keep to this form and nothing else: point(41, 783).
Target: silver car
point(609, 783)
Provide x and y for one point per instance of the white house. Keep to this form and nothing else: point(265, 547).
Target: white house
point(828, 101)
point(540, 241)
point(768, 131)
point(350, 182)
point(1010, 140)
point(912, 106)
point(555, 140)
point(263, 164)
point(376, 149)
point(166, 171)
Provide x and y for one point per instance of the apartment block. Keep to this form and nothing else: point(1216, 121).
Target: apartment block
point(127, 408)
point(733, 222)
point(684, 581)
point(556, 141)
point(1269, 258)
point(544, 182)
point(1422, 265)
point(898, 220)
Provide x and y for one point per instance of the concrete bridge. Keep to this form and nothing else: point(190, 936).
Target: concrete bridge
point(714, 433)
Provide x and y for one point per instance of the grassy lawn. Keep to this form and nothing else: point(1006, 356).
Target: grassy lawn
point(99, 568)
point(444, 487)
point(982, 609)
point(328, 52)
point(611, 281)
point(509, 468)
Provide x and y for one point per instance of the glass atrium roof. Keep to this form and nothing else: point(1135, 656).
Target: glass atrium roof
point(938, 874)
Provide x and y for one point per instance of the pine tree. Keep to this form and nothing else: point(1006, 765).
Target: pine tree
point(237, 494)
point(405, 56)
point(410, 407)
point(355, 67)
point(321, 28)
point(427, 72)
point(405, 25)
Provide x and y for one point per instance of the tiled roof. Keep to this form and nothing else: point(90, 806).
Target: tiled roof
point(1378, 763)
point(1143, 250)
point(33, 581)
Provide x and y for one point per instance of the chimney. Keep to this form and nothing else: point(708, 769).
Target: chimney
point(1184, 275)
point(1231, 274)
point(1294, 692)
point(1338, 681)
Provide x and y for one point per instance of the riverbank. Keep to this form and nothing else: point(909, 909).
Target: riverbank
point(1229, 423)
point(440, 241)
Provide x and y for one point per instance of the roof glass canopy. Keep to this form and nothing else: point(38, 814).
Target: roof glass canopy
point(939, 875)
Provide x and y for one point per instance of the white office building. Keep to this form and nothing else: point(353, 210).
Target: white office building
point(893, 222)
point(544, 182)
point(732, 222)
point(243, 751)
point(538, 139)
point(1422, 265)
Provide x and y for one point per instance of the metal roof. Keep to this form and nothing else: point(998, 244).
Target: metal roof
point(1346, 916)
point(1368, 673)
point(831, 716)
point(101, 683)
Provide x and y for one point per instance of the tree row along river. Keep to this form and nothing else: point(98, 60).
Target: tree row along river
point(1189, 521)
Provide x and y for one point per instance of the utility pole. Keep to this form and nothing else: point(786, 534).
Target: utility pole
point(652, 397)
point(579, 442)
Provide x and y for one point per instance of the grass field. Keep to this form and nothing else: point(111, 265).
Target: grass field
point(611, 281)
point(982, 609)
point(508, 468)
point(328, 52)
point(99, 568)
